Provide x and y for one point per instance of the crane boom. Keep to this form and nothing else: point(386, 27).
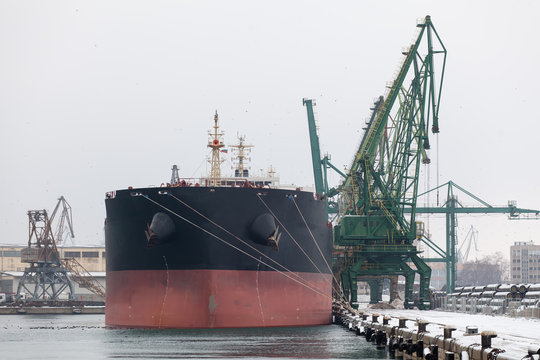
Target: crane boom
point(64, 217)
point(315, 149)
point(377, 199)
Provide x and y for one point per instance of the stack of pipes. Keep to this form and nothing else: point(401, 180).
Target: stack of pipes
point(531, 297)
point(493, 298)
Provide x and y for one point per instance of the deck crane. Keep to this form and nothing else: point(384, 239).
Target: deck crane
point(374, 236)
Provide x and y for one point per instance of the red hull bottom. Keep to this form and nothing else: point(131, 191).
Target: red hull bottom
point(216, 299)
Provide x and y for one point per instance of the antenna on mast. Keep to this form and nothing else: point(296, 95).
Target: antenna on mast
point(241, 151)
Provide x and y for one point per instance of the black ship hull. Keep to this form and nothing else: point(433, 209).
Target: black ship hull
point(187, 257)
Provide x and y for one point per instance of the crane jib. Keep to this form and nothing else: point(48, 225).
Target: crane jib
point(375, 227)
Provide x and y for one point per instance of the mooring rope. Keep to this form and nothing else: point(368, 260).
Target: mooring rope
point(236, 237)
point(336, 288)
point(292, 237)
point(314, 240)
point(235, 247)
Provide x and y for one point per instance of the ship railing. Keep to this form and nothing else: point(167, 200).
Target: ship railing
point(223, 182)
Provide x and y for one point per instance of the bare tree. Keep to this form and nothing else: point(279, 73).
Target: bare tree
point(492, 269)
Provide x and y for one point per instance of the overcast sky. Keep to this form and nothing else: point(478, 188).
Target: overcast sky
point(101, 95)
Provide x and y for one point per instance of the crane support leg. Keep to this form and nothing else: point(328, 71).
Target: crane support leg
point(409, 282)
point(393, 287)
point(353, 276)
point(425, 274)
point(345, 284)
point(375, 291)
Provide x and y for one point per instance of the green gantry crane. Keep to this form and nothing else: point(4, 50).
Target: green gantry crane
point(451, 208)
point(374, 235)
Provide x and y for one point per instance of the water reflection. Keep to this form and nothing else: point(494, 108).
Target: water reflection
point(320, 342)
point(85, 337)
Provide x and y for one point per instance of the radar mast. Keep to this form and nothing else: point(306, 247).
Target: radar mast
point(215, 143)
point(241, 151)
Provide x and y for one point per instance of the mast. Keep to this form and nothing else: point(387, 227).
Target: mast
point(215, 143)
point(241, 151)
point(175, 178)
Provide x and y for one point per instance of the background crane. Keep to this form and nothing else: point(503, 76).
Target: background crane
point(374, 235)
point(470, 239)
point(451, 207)
point(64, 221)
point(49, 276)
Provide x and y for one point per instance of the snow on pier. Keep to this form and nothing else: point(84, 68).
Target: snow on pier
point(415, 334)
point(515, 335)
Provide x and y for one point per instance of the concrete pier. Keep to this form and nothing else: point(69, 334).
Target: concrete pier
point(34, 310)
point(410, 339)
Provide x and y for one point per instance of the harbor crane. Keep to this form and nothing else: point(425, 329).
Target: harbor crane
point(470, 239)
point(65, 221)
point(49, 276)
point(373, 234)
point(451, 207)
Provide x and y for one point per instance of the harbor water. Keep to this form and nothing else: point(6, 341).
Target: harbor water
point(86, 337)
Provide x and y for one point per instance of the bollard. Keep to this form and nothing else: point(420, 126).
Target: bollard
point(486, 338)
point(447, 332)
point(402, 322)
point(422, 324)
point(374, 317)
point(471, 330)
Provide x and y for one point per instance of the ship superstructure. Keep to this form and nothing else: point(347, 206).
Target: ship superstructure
point(242, 175)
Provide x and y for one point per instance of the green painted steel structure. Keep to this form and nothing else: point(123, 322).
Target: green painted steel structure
point(315, 148)
point(375, 234)
point(451, 208)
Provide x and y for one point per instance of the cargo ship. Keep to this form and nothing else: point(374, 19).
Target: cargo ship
point(217, 252)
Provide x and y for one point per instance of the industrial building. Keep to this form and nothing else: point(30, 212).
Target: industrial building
point(525, 262)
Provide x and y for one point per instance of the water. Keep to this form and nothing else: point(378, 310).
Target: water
point(85, 337)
